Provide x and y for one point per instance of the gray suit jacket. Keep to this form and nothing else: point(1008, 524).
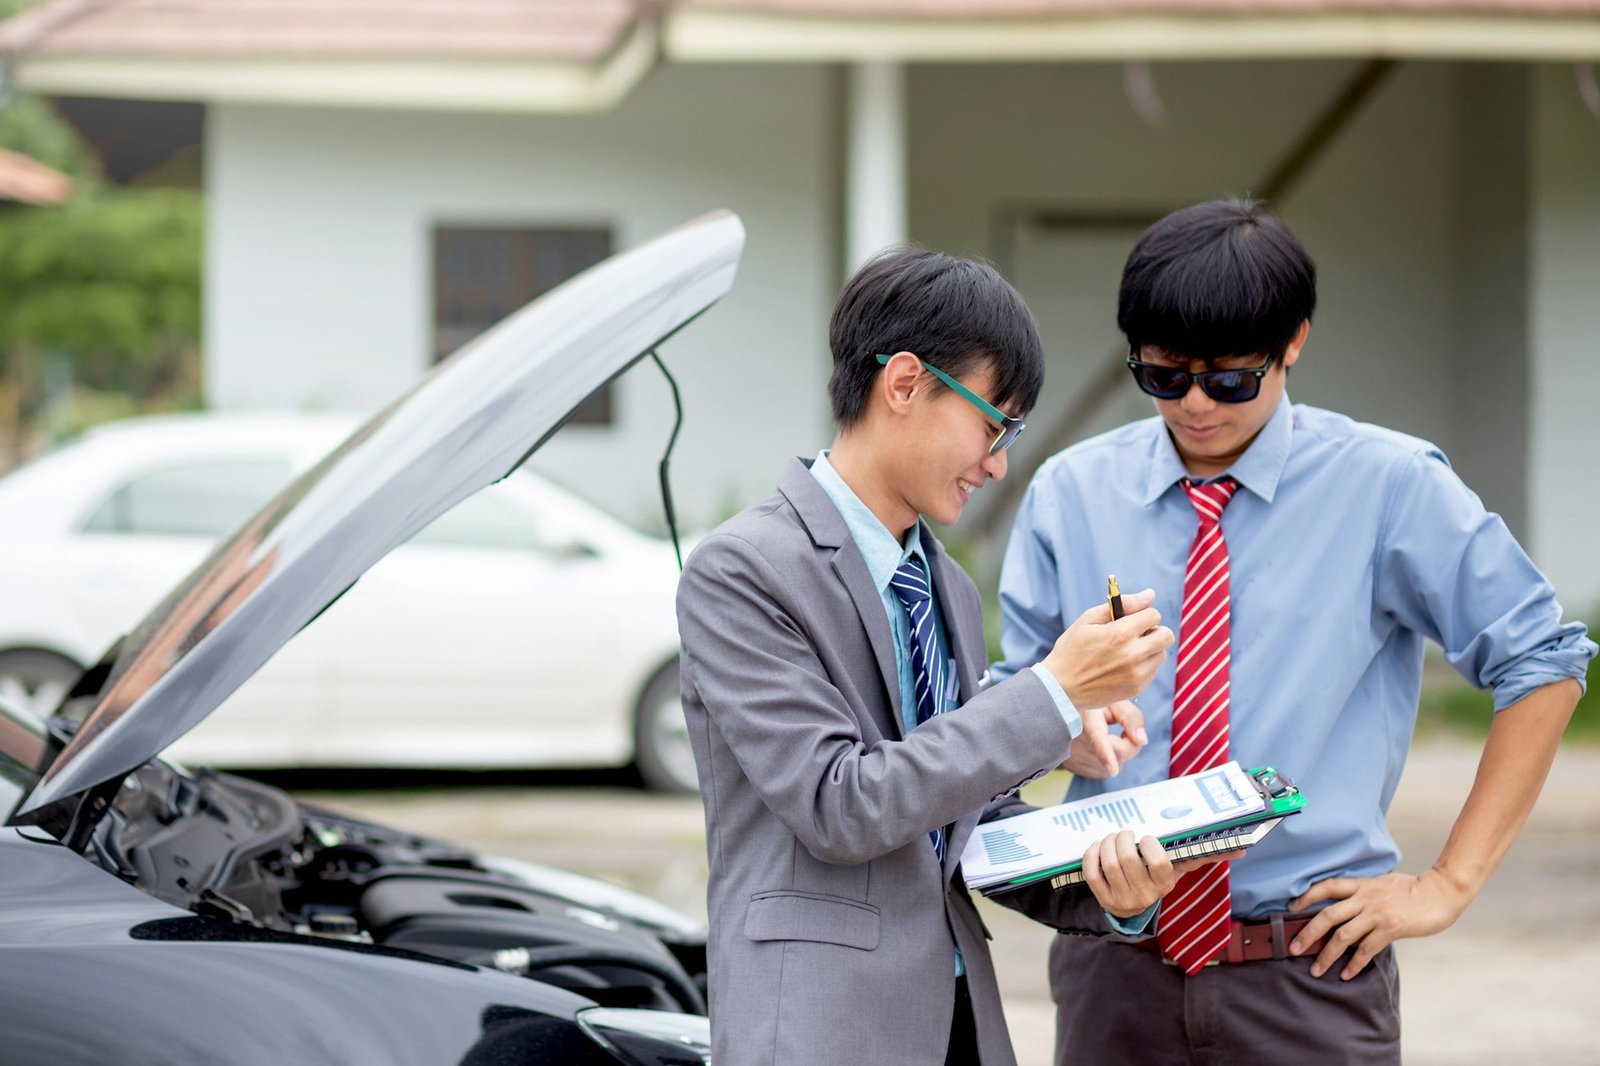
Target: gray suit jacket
point(832, 921)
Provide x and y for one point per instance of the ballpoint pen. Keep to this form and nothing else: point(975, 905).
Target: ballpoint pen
point(1114, 596)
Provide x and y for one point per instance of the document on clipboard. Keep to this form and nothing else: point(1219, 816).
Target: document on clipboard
point(1225, 808)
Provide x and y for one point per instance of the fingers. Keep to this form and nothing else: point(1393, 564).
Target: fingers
point(1140, 621)
point(1105, 751)
point(1131, 719)
point(1126, 876)
point(1119, 859)
point(1365, 952)
point(1332, 888)
point(1352, 927)
point(1159, 867)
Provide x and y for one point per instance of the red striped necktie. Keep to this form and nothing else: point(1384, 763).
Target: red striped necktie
point(1193, 927)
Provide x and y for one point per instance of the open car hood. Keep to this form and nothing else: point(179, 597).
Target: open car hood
point(469, 422)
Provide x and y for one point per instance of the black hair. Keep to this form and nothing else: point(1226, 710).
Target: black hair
point(955, 314)
point(1219, 278)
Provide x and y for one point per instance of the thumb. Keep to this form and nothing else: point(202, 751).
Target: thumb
point(1131, 719)
point(1137, 601)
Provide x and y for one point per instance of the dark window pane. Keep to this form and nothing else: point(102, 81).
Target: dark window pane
point(482, 274)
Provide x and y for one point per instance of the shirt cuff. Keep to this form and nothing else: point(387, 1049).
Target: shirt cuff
point(1134, 926)
point(1069, 713)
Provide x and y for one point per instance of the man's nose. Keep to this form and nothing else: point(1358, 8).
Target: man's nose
point(1196, 399)
point(995, 465)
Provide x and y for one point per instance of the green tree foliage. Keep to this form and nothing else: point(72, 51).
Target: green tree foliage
point(100, 298)
point(112, 278)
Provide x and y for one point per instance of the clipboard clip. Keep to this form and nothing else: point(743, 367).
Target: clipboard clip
point(1272, 784)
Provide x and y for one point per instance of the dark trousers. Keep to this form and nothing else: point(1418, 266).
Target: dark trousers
point(963, 1031)
point(1120, 1004)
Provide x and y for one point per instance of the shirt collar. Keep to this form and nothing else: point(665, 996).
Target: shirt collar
point(883, 554)
point(1259, 469)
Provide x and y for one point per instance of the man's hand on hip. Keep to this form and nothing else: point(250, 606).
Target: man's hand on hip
point(1374, 912)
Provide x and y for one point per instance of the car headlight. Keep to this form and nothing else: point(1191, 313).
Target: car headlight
point(649, 1037)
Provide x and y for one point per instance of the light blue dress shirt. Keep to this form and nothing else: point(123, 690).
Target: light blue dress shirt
point(1349, 547)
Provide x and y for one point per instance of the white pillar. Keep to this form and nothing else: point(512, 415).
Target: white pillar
point(1564, 346)
point(875, 186)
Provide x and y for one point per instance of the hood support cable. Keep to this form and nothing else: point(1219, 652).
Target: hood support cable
point(666, 458)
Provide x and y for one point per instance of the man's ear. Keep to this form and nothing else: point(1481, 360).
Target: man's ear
point(899, 380)
point(1292, 353)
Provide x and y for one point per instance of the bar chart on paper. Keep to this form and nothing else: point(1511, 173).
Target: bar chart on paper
point(1109, 816)
point(1003, 846)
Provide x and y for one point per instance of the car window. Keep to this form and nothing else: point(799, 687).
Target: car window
point(483, 520)
point(205, 498)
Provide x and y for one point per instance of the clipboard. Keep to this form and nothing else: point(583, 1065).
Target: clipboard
point(1245, 824)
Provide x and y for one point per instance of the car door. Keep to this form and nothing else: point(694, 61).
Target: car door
point(152, 527)
point(489, 639)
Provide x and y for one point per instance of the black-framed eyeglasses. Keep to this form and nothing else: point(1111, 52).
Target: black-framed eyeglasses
point(1223, 386)
point(1010, 428)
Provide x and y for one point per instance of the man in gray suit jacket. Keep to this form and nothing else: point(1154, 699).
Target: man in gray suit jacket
point(825, 635)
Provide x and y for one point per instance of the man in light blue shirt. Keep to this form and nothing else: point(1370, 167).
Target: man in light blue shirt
point(1349, 547)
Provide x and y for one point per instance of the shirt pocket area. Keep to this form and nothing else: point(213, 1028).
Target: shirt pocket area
point(821, 919)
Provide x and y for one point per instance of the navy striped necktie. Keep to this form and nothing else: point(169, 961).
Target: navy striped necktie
point(911, 586)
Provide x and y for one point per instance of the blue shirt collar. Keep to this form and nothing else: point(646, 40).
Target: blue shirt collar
point(877, 545)
point(1258, 469)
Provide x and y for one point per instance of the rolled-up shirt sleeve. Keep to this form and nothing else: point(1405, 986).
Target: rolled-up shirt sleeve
point(1451, 570)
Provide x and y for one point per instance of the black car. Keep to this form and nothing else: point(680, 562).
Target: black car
point(153, 914)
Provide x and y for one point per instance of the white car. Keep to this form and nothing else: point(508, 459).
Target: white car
point(523, 628)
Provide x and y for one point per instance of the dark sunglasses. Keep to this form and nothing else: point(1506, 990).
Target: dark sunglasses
point(1223, 386)
point(1010, 428)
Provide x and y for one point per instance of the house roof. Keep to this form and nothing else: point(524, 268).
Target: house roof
point(471, 54)
point(588, 54)
point(584, 31)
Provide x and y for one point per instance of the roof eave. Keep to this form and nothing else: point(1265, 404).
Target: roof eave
point(707, 35)
point(399, 84)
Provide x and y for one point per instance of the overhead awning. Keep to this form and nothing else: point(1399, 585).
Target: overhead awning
point(477, 55)
point(1037, 30)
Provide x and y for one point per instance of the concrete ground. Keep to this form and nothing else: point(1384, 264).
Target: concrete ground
point(1517, 978)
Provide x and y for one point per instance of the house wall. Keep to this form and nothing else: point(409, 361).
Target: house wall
point(319, 285)
point(1453, 222)
point(1564, 326)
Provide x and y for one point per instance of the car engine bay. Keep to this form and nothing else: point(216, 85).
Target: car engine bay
point(227, 847)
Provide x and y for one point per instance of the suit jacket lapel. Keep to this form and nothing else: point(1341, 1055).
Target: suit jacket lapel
point(828, 530)
point(965, 630)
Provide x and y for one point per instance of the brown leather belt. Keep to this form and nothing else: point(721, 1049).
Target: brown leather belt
point(1255, 941)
